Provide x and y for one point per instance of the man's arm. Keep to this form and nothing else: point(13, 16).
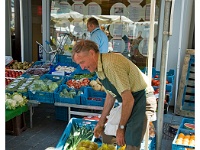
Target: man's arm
point(127, 106)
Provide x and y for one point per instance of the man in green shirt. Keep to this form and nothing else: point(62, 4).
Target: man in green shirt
point(123, 81)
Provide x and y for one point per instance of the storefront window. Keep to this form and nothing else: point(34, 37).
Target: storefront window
point(126, 23)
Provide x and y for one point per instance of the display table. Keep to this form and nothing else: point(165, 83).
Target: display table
point(10, 114)
point(15, 120)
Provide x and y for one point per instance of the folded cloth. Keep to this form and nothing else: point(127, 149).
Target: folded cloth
point(113, 121)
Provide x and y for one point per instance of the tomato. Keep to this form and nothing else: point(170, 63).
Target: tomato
point(156, 76)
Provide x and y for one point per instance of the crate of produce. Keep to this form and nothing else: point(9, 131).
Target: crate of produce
point(184, 139)
point(63, 68)
point(92, 97)
point(15, 65)
point(61, 113)
point(80, 71)
point(63, 58)
point(75, 124)
point(39, 68)
point(187, 123)
point(67, 95)
point(41, 64)
point(168, 90)
point(156, 81)
point(43, 89)
point(71, 82)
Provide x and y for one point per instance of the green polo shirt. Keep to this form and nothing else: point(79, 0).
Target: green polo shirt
point(121, 72)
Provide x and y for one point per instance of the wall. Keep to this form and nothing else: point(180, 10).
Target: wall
point(178, 42)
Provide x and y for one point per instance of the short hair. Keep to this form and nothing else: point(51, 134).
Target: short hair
point(93, 21)
point(83, 46)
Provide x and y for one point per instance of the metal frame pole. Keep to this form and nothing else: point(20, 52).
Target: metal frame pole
point(163, 69)
point(22, 30)
point(45, 27)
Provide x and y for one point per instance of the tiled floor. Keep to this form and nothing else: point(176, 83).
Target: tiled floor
point(47, 131)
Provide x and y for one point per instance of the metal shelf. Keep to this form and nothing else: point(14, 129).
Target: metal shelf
point(80, 113)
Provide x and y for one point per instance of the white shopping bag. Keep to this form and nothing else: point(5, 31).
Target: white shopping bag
point(113, 121)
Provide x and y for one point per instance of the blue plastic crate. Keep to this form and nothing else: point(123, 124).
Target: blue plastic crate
point(92, 97)
point(181, 146)
point(41, 64)
point(80, 71)
point(63, 59)
point(72, 64)
point(81, 122)
point(61, 113)
point(168, 89)
point(58, 98)
point(64, 82)
point(151, 144)
point(43, 96)
point(171, 72)
point(186, 120)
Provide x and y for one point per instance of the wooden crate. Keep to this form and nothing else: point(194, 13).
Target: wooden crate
point(16, 125)
point(186, 94)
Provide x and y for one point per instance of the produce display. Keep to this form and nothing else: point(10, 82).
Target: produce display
point(186, 139)
point(38, 68)
point(66, 69)
point(96, 85)
point(77, 84)
point(85, 75)
point(71, 93)
point(19, 65)
point(87, 145)
point(77, 134)
point(107, 147)
point(12, 101)
point(13, 86)
point(8, 80)
point(189, 126)
point(15, 69)
point(13, 73)
point(43, 85)
point(20, 84)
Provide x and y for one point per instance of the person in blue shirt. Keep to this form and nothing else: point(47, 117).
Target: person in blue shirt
point(97, 35)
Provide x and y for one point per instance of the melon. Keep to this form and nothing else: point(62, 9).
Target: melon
point(189, 126)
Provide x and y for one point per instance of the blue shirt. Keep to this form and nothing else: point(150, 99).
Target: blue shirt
point(99, 37)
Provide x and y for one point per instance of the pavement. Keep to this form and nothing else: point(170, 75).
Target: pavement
point(47, 130)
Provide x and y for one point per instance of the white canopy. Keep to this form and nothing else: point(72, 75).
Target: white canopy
point(77, 16)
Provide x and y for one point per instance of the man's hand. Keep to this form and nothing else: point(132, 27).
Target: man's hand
point(98, 130)
point(120, 137)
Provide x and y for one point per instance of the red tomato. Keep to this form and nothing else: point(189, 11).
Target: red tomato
point(156, 76)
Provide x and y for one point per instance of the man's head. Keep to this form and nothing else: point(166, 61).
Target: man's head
point(85, 53)
point(92, 23)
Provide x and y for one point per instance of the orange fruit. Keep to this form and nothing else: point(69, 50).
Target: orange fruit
point(181, 135)
point(178, 141)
